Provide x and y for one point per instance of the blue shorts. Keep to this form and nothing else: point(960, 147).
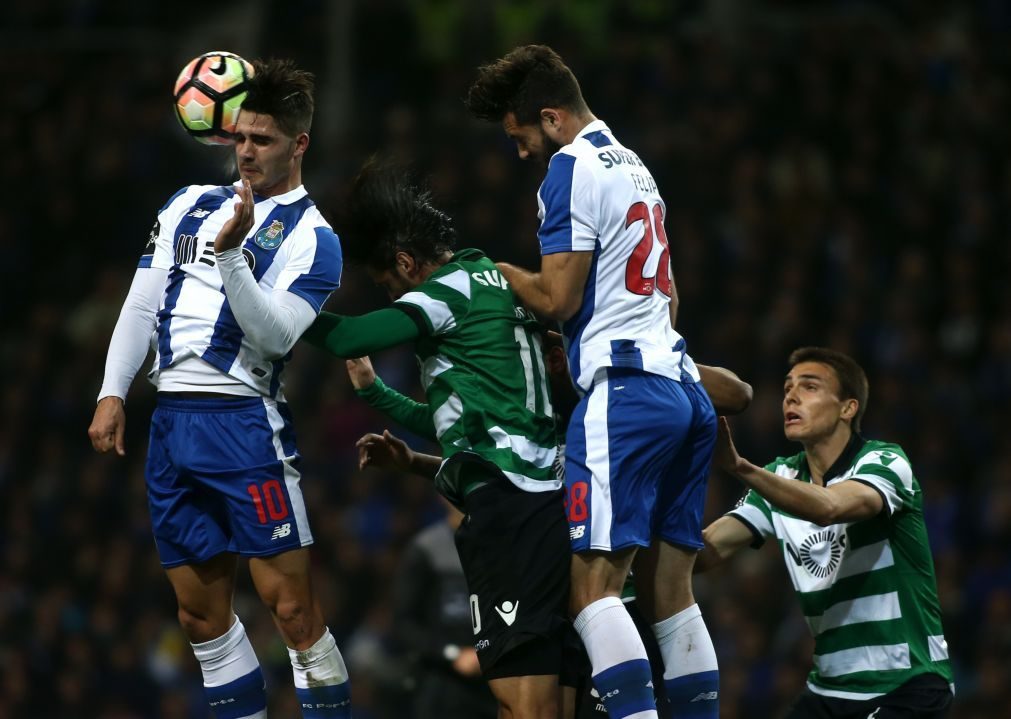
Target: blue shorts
point(637, 456)
point(222, 476)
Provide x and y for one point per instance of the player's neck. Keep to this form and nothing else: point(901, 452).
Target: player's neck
point(575, 124)
point(823, 453)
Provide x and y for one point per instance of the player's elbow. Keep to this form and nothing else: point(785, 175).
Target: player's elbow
point(739, 396)
point(563, 308)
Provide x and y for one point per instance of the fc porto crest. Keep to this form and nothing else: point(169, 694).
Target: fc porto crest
point(270, 237)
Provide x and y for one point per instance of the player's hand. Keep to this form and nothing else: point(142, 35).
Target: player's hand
point(725, 455)
point(361, 373)
point(108, 426)
point(467, 664)
point(239, 224)
point(384, 450)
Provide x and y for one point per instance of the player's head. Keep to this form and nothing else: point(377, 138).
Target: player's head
point(392, 229)
point(272, 132)
point(823, 390)
point(534, 95)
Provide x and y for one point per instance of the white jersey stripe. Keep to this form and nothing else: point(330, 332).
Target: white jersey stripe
point(873, 608)
point(867, 559)
point(938, 647)
point(447, 415)
point(291, 475)
point(598, 462)
point(438, 312)
point(523, 448)
point(875, 658)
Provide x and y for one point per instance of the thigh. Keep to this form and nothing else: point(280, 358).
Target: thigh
point(204, 592)
point(621, 439)
point(241, 454)
point(515, 556)
point(682, 498)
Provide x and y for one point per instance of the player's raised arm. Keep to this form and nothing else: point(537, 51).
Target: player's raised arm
point(415, 416)
point(723, 538)
point(728, 392)
point(842, 502)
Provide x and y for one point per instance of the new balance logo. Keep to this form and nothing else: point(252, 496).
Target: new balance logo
point(577, 532)
point(281, 531)
point(199, 213)
point(508, 612)
point(706, 697)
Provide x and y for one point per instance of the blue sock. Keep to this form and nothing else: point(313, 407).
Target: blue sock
point(695, 695)
point(244, 697)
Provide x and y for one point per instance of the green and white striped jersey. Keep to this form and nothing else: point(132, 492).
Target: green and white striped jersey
point(867, 588)
point(483, 374)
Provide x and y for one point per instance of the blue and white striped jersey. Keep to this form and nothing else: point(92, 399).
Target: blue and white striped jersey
point(291, 247)
point(599, 197)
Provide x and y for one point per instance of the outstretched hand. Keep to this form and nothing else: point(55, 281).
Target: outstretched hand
point(361, 373)
point(384, 450)
point(239, 224)
point(725, 456)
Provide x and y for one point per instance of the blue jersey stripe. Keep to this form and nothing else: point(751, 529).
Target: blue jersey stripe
point(624, 353)
point(555, 234)
point(226, 339)
point(598, 139)
point(145, 261)
point(172, 199)
point(574, 327)
point(189, 225)
point(325, 274)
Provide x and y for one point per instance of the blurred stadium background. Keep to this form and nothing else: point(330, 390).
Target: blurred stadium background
point(836, 173)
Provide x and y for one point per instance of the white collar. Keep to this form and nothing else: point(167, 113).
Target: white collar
point(286, 198)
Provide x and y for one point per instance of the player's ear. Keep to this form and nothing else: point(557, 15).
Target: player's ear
point(301, 143)
point(850, 408)
point(550, 118)
point(405, 262)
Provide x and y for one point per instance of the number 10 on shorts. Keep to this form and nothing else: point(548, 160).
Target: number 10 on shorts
point(268, 500)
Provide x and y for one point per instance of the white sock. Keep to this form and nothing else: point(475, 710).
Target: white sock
point(691, 673)
point(621, 672)
point(321, 679)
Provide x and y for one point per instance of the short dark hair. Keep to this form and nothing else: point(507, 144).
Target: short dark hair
point(280, 89)
point(852, 378)
point(387, 212)
point(524, 82)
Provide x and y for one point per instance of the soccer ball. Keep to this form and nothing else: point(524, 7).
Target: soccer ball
point(208, 94)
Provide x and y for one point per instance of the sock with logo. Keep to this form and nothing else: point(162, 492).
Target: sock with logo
point(691, 676)
point(233, 681)
point(621, 671)
point(321, 680)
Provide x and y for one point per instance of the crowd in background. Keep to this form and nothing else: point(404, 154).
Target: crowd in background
point(838, 176)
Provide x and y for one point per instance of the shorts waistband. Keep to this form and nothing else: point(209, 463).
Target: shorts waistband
point(198, 402)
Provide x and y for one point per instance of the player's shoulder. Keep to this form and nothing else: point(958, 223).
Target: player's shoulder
point(186, 197)
point(882, 454)
point(466, 267)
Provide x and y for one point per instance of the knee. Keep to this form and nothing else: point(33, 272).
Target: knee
point(202, 626)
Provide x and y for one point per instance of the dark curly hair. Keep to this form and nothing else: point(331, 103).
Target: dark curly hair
point(280, 89)
point(524, 82)
point(387, 212)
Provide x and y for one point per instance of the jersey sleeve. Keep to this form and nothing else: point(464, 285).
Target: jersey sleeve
point(439, 305)
point(754, 511)
point(888, 471)
point(158, 250)
point(569, 204)
point(314, 266)
point(415, 416)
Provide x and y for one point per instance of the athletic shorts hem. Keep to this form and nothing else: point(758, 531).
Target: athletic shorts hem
point(531, 655)
point(612, 549)
point(682, 543)
point(243, 553)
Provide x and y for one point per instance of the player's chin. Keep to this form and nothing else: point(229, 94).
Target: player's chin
point(794, 431)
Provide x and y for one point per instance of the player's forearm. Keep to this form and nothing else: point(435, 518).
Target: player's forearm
point(271, 323)
point(728, 392)
point(529, 288)
point(801, 499)
point(415, 416)
point(349, 337)
point(426, 465)
point(131, 339)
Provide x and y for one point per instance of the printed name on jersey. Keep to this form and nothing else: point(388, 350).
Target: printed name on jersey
point(490, 278)
point(613, 158)
point(270, 238)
